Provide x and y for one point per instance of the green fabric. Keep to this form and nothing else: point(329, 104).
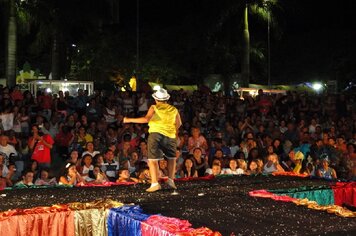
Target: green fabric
point(323, 195)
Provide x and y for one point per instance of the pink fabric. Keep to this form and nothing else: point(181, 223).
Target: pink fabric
point(105, 184)
point(265, 194)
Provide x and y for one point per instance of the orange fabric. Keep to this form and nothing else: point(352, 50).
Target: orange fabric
point(50, 223)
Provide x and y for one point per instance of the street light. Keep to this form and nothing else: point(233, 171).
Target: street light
point(269, 47)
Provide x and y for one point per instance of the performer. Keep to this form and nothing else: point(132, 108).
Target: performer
point(164, 121)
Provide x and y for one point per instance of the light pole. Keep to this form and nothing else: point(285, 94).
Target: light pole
point(269, 47)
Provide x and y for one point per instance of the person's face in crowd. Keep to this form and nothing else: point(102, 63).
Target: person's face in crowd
point(109, 156)
point(197, 153)
point(44, 174)
point(219, 154)
point(253, 165)
point(100, 160)
point(90, 147)
point(96, 171)
point(87, 160)
point(3, 140)
point(34, 165)
point(331, 142)
point(195, 132)
point(188, 163)
point(276, 143)
point(125, 174)
point(126, 146)
point(272, 158)
point(134, 157)
point(270, 149)
point(233, 164)
point(162, 164)
point(74, 156)
point(350, 148)
point(72, 171)
point(216, 170)
point(143, 146)
point(325, 164)
point(28, 178)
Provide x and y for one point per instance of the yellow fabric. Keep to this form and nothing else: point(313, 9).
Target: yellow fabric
point(90, 222)
point(297, 168)
point(338, 210)
point(164, 120)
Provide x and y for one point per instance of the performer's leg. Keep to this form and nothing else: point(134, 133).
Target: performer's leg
point(172, 168)
point(153, 165)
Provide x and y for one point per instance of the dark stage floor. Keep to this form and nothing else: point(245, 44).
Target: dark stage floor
point(222, 204)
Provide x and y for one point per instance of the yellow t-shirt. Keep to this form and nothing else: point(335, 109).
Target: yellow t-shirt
point(164, 120)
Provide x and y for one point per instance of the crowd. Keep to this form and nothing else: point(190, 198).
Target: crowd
point(48, 139)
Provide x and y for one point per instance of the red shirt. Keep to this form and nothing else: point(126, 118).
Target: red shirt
point(42, 153)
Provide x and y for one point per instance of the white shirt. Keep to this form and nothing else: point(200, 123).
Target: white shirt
point(7, 150)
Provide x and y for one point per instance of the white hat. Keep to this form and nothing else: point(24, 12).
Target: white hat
point(161, 95)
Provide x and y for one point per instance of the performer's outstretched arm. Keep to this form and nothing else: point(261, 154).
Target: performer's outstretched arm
point(141, 120)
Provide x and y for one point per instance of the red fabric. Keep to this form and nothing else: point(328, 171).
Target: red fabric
point(345, 193)
point(208, 177)
point(41, 153)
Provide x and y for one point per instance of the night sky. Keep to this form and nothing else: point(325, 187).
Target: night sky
point(315, 39)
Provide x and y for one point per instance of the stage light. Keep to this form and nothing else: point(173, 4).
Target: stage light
point(317, 86)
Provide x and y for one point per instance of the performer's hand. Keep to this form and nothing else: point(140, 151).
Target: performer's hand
point(124, 120)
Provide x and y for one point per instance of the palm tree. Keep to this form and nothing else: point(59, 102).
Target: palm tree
point(11, 45)
point(262, 9)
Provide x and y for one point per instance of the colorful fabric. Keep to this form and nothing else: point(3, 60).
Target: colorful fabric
point(345, 193)
point(323, 195)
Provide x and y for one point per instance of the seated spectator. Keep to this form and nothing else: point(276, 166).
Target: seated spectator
point(71, 176)
point(253, 168)
point(200, 161)
point(163, 170)
point(33, 166)
point(143, 174)
point(325, 171)
point(7, 173)
point(63, 140)
point(124, 177)
point(82, 137)
point(272, 165)
point(27, 179)
point(90, 150)
point(197, 140)
point(98, 176)
point(188, 168)
point(111, 166)
point(98, 160)
point(216, 169)
point(209, 171)
point(86, 167)
point(44, 180)
point(233, 168)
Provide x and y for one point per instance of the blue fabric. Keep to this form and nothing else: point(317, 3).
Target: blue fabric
point(125, 221)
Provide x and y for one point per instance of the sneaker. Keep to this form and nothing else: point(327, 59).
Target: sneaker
point(171, 184)
point(154, 188)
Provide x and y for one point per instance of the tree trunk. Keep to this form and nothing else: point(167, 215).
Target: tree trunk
point(11, 46)
point(55, 56)
point(245, 65)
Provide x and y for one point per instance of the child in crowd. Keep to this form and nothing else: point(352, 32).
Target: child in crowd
point(44, 180)
point(124, 177)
